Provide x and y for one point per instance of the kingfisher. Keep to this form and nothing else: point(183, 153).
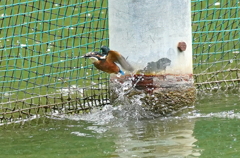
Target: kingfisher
point(106, 61)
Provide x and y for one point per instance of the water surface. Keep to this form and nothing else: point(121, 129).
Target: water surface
point(210, 129)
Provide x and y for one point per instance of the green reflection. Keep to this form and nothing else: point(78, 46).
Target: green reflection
point(55, 138)
point(218, 137)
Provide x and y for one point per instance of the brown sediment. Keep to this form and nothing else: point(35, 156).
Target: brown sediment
point(151, 82)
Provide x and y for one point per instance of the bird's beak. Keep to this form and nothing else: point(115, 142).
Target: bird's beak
point(89, 54)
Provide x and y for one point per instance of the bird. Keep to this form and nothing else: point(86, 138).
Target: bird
point(106, 61)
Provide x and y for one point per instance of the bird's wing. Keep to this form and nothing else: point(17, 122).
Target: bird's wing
point(114, 56)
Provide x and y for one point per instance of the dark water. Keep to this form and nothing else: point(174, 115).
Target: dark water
point(210, 129)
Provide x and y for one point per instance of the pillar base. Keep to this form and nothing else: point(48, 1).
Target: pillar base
point(161, 94)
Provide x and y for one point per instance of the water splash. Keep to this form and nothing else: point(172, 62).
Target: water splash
point(121, 110)
point(224, 114)
point(124, 109)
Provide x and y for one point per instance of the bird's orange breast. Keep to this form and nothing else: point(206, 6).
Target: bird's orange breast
point(106, 66)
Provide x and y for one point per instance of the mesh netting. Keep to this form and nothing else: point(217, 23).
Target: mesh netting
point(41, 68)
point(216, 43)
point(41, 44)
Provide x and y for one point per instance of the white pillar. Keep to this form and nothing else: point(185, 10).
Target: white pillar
point(148, 30)
point(155, 36)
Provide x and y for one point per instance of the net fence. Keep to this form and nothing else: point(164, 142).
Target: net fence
point(216, 43)
point(41, 68)
point(42, 42)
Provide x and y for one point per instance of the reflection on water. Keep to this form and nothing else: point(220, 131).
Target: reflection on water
point(156, 138)
point(165, 137)
point(211, 129)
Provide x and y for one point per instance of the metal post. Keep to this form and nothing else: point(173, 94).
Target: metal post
point(155, 36)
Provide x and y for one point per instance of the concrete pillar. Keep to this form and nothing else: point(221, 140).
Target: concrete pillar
point(156, 38)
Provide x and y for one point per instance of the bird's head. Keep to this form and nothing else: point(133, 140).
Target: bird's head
point(105, 50)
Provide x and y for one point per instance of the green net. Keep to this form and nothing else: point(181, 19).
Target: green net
point(216, 43)
point(41, 68)
point(42, 42)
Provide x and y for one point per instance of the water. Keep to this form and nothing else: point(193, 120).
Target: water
point(210, 129)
